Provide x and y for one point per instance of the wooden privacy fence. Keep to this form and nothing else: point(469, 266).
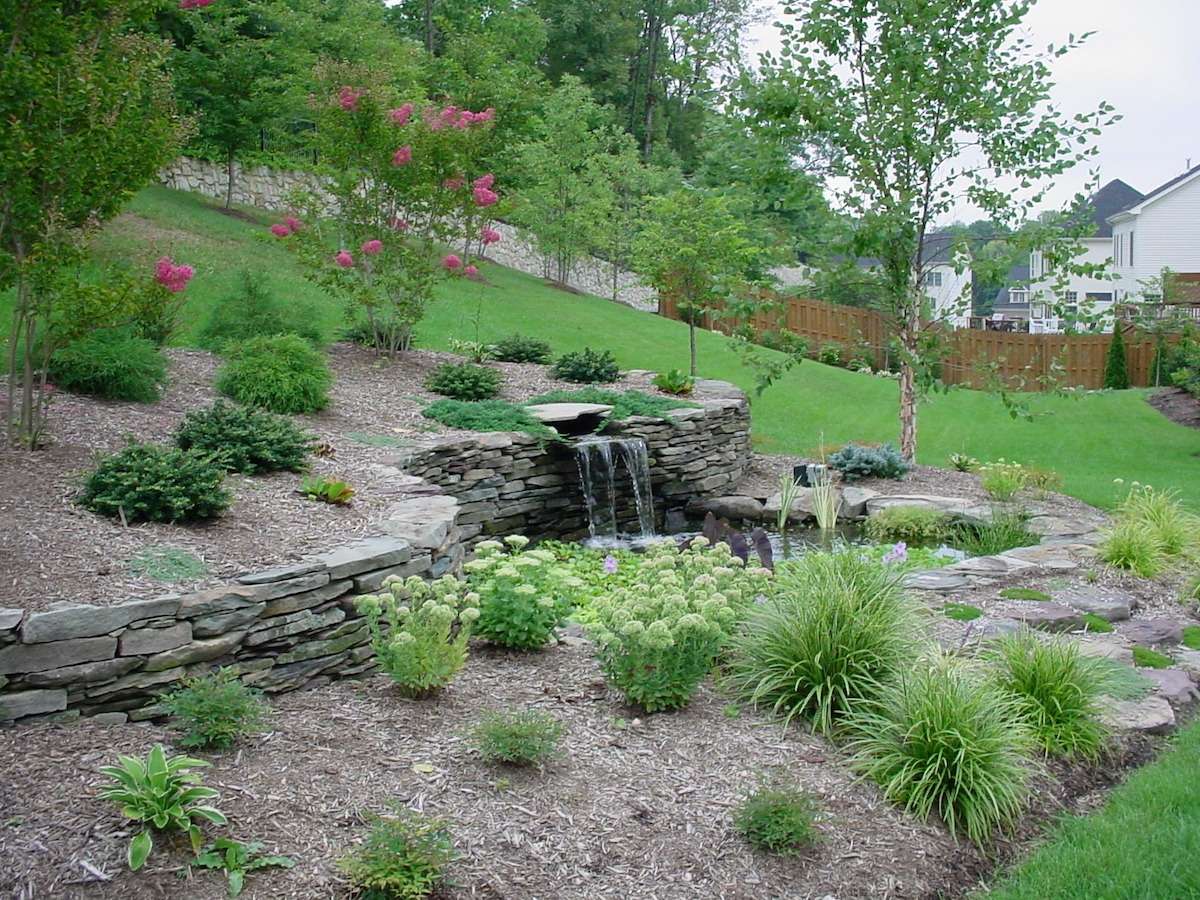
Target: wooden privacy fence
point(1016, 355)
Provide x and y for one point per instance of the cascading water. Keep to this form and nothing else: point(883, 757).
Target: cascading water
point(598, 459)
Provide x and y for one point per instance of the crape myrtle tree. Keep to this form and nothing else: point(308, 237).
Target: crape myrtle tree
point(88, 119)
point(912, 107)
point(406, 183)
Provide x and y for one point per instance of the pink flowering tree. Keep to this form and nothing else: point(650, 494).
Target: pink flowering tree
point(407, 187)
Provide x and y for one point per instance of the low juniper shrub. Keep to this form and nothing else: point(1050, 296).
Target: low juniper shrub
point(464, 381)
point(588, 366)
point(152, 483)
point(245, 440)
point(487, 415)
point(856, 461)
point(517, 348)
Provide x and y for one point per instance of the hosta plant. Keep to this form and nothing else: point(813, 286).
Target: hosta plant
point(419, 630)
point(163, 795)
point(523, 594)
point(674, 381)
point(236, 859)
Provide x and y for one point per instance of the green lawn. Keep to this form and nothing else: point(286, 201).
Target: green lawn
point(1090, 440)
point(1142, 845)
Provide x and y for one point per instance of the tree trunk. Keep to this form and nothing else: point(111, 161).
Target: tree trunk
point(429, 27)
point(908, 411)
point(229, 180)
point(692, 342)
point(654, 28)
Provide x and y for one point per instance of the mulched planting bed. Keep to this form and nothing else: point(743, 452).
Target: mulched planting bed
point(54, 550)
point(634, 807)
point(1177, 405)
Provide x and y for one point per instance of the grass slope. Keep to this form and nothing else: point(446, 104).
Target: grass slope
point(1090, 440)
point(1143, 843)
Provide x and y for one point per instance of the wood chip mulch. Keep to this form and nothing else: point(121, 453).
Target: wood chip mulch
point(1177, 405)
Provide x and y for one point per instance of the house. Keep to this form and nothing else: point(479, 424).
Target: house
point(1010, 311)
point(1158, 232)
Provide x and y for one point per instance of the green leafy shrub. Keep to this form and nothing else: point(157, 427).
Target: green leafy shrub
point(588, 366)
point(113, 364)
point(1042, 480)
point(517, 738)
point(1002, 480)
point(1057, 692)
point(836, 629)
point(419, 630)
point(163, 795)
point(1030, 594)
point(327, 490)
point(962, 462)
point(283, 374)
point(855, 461)
point(475, 351)
point(1005, 531)
point(464, 381)
point(215, 710)
point(152, 483)
point(487, 415)
point(778, 817)
point(674, 381)
point(940, 740)
point(961, 612)
point(237, 859)
point(1133, 546)
point(518, 348)
point(245, 440)
point(658, 638)
point(1145, 658)
point(523, 594)
point(830, 353)
point(404, 857)
point(624, 403)
point(252, 310)
point(915, 525)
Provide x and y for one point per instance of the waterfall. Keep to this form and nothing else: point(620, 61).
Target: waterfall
point(598, 465)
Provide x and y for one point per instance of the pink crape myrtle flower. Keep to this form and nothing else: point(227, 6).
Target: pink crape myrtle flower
point(280, 230)
point(348, 98)
point(293, 224)
point(403, 156)
point(489, 235)
point(174, 278)
point(451, 262)
point(401, 114)
point(343, 259)
point(399, 224)
point(484, 181)
point(372, 246)
point(454, 184)
point(194, 4)
point(486, 116)
point(471, 271)
point(484, 197)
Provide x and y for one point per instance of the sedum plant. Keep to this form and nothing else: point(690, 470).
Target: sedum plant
point(164, 795)
point(523, 594)
point(419, 630)
point(658, 637)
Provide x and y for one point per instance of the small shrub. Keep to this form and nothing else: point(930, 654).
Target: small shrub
point(1133, 546)
point(961, 462)
point(404, 857)
point(464, 381)
point(777, 817)
point(1042, 480)
point(1145, 658)
point(245, 440)
point(215, 710)
point(283, 374)
point(168, 564)
point(163, 795)
point(624, 403)
point(152, 483)
point(942, 741)
point(252, 310)
point(113, 364)
point(523, 738)
point(1030, 594)
point(1116, 373)
point(419, 630)
point(674, 381)
point(517, 348)
point(1005, 531)
point(830, 354)
point(961, 612)
point(1057, 691)
point(836, 629)
point(855, 461)
point(587, 367)
point(475, 351)
point(327, 490)
point(1002, 480)
point(915, 525)
point(487, 415)
point(237, 860)
point(1097, 624)
point(522, 594)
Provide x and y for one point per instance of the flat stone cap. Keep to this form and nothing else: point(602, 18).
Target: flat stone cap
point(567, 412)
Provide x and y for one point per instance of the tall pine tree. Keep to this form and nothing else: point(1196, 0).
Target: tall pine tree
point(1116, 374)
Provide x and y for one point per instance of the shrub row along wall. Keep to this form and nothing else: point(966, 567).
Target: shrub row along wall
point(283, 628)
point(508, 483)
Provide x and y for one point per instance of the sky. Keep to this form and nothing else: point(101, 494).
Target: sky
point(1144, 59)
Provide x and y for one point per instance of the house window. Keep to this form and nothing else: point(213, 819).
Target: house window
point(1070, 296)
point(933, 279)
point(1018, 296)
point(1131, 248)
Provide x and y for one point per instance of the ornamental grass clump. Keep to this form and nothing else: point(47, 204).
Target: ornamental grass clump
point(1133, 546)
point(523, 594)
point(1176, 530)
point(658, 637)
point(941, 740)
point(1057, 691)
point(419, 630)
point(836, 630)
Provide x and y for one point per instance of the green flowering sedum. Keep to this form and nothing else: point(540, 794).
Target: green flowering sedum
point(419, 630)
point(523, 594)
point(658, 636)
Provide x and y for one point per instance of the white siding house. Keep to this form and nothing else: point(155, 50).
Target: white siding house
point(1160, 231)
point(949, 292)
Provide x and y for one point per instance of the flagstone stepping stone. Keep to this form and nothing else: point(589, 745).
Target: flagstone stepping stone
point(1152, 715)
point(801, 505)
point(1110, 607)
point(991, 627)
point(1175, 685)
point(1056, 557)
point(1082, 530)
point(926, 501)
point(936, 580)
point(1108, 647)
point(1189, 661)
point(991, 566)
point(854, 501)
point(1048, 616)
point(1151, 632)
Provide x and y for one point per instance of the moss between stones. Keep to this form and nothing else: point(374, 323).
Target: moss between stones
point(961, 612)
point(1096, 624)
point(1019, 593)
point(1191, 637)
point(1145, 658)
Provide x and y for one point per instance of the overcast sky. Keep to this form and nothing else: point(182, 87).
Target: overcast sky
point(1144, 59)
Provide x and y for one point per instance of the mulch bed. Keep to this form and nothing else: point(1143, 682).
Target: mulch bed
point(56, 551)
point(634, 807)
point(1177, 405)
